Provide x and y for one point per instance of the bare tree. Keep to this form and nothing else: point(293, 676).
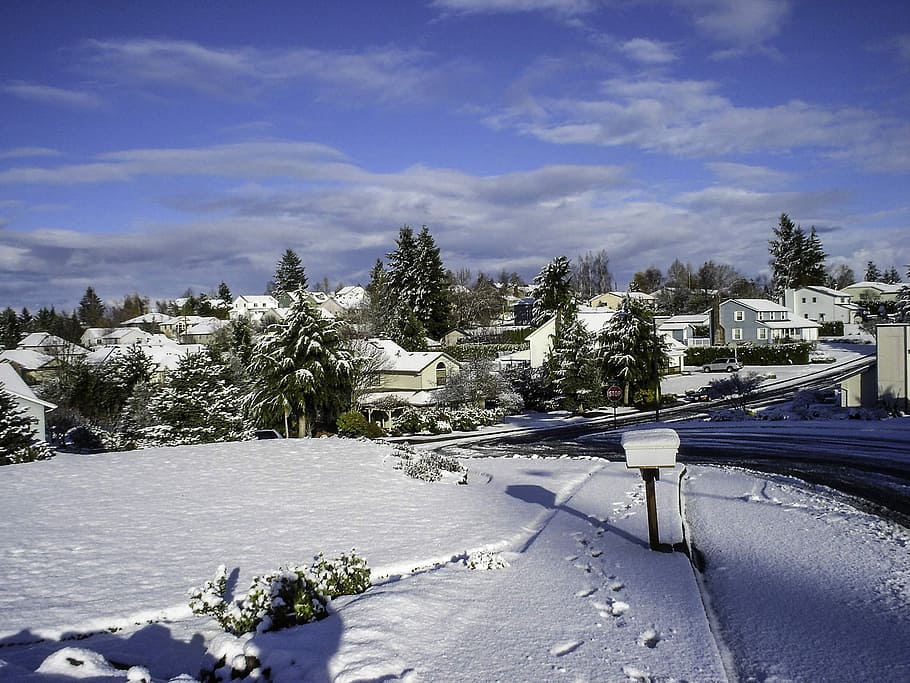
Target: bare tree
point(591, 275)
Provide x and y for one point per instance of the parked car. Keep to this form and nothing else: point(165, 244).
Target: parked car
point(267, 434)
point(821, 357)
point(706, 393)
point(723, 365)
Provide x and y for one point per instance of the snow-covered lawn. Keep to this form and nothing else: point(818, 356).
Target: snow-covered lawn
point(805, 587)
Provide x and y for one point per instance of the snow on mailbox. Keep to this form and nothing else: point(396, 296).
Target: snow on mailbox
point(650, 447)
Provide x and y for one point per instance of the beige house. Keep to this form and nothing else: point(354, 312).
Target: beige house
point(25, 397)
point(614, 299)
point(32, 366)
point(405, 378)
point(872, 291)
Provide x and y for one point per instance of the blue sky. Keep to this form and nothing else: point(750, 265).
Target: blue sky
point(160, 146)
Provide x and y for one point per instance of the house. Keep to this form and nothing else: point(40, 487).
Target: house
point(452, 337)
point(92, 337)
point(34, 407)
point(164, 353)
point(872, 291)
point(126, 336)
point(151, 322)
point(350, 297)
point(759, 321)
point(614, 300)
point(179, 326)
point(689, 330)
point(822, 304)
point(32, 366)
point(203, 332)
point(252, 307)
point(405, 378)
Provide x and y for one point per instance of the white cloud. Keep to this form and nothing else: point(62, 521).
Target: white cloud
point(52, 96)
point(22, 152)
point(383, 73)
point(748, 175)
point(563, 7)
point(648, 51)
point(739, 22)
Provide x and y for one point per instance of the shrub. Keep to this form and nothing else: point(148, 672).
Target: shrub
point(289, 597)
point(353, 424)
point(425, 465)
point(770, 354)
point(831, 328)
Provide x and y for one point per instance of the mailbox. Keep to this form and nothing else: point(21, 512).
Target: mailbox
point(650, 448)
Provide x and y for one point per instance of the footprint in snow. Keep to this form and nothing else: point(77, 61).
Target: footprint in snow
point(650, 637)
point(585, 592)
point(565, 647)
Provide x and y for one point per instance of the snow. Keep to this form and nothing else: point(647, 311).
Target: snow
point(537, 569)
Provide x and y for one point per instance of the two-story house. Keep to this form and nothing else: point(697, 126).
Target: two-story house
point(405, 378)
point(34, 407)
point(822, 304)
point(759, 321)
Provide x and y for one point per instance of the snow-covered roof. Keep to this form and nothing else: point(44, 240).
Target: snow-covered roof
point(15, 385)
point(148, 319)
point(757, 304)
point(37, 340)
point(351, 296)
point(795, 323)
point(26, 358)
point(399, 360)
point(883, 287)
point(255, 301)
point(413, 398)
point(164, 356)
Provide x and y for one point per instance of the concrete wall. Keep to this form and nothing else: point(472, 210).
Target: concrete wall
point(894, 364)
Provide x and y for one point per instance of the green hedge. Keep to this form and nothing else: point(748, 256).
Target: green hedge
point(832, 328)
point(772, 354)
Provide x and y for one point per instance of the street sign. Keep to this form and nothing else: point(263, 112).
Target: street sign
point(614, 393)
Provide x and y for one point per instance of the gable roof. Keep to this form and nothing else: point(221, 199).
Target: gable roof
point(399, 360)
point(15, 385)
point(27, 359)
point(757, 304)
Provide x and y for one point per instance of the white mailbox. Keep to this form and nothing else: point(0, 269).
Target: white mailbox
point(650, 447)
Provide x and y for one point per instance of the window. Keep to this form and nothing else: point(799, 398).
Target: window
point(814, 299)
point(737, 334)
point(739, 315)
point(804, 299)
point(441, 375)
point(762, 333)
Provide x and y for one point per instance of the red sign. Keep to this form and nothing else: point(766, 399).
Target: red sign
point(614, 393)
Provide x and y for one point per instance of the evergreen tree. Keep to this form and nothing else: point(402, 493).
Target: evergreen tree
point(629, 349)
point(554, 291)
point(797, 259)
point(17, 433)
point(290, 274)
point(10, 330)
point(574, 374)
point(812, 261)
point(300, 370)
point(377, 305)
point(873, 274)
point(224, 293)
point(416, 281)
point(91, 309)
point(891, 276)
point(200, 402)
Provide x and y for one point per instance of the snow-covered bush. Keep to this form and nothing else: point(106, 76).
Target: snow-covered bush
point(353, 424)
point(485, 560)
point(289, 597)
point(17, 435)
point(425, 465)
point(444, 420)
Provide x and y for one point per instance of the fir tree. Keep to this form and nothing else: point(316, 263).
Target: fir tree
point(224, 293)
point(17, 433)
point(629, 349)
point(10, 330)
point(574, 373)
point(91, 309)
point(873, 274)
point(377, 311)
point(290, 274)
point(554, 292)
point(300, 371)
point(416, 281)
point(797, 259)
point(891, 276)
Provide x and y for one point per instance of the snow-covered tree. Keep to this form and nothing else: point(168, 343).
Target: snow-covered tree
point(903, 299)
point(797, 259)
point(630, 350)
point(17, 433)
point(300, 370)
point(554, 292)
point(574, 373)
point(201, 401)
point(416, 281)
point(873, 274)
point(477, 383)
point(290, 274)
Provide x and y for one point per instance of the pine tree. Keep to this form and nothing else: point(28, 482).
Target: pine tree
point(300, 370)
point(574, 374)
point(873, 274)
point(891, 276)
point(91, 309)
point(17, 433)
point(10, 330)
point(224, 293)
point(377, 311)
point(554, 291)
point(903, 300)
point(812, 261)
point(629, 349)
point(290, 274)
point(797, 259)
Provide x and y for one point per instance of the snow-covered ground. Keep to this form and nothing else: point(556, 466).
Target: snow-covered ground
point(801, 586)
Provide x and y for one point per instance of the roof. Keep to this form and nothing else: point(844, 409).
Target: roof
point(15, 385)
point(263, 300)
point(883, 287)
point(795, 323)
point(399, 360)
point(414, 398)
point(758, 304)
point(26, 358)
point(148, 318)
point(828, 291)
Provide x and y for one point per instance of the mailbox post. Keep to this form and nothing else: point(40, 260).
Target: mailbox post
point(649, 450)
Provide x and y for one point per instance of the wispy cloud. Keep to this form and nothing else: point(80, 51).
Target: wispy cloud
point(691, 118)
point(384, 74)
point(562, 7)
point(23, 152)
point(648, 51)
point(52, 96)
point(750, 176)
point(738, 22)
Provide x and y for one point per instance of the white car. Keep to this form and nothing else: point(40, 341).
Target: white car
point(821, 357)
point(723, 364)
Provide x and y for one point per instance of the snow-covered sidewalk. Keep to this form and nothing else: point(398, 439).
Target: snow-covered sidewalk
point(571, 592)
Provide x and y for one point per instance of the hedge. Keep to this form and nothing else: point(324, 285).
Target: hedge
point(772, 354)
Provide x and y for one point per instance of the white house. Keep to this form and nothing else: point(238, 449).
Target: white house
point(25, 397)
point(822, 304)
point(252, 307)
point(688, 329)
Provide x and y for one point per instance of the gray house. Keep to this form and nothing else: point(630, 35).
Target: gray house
point(758, 321)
